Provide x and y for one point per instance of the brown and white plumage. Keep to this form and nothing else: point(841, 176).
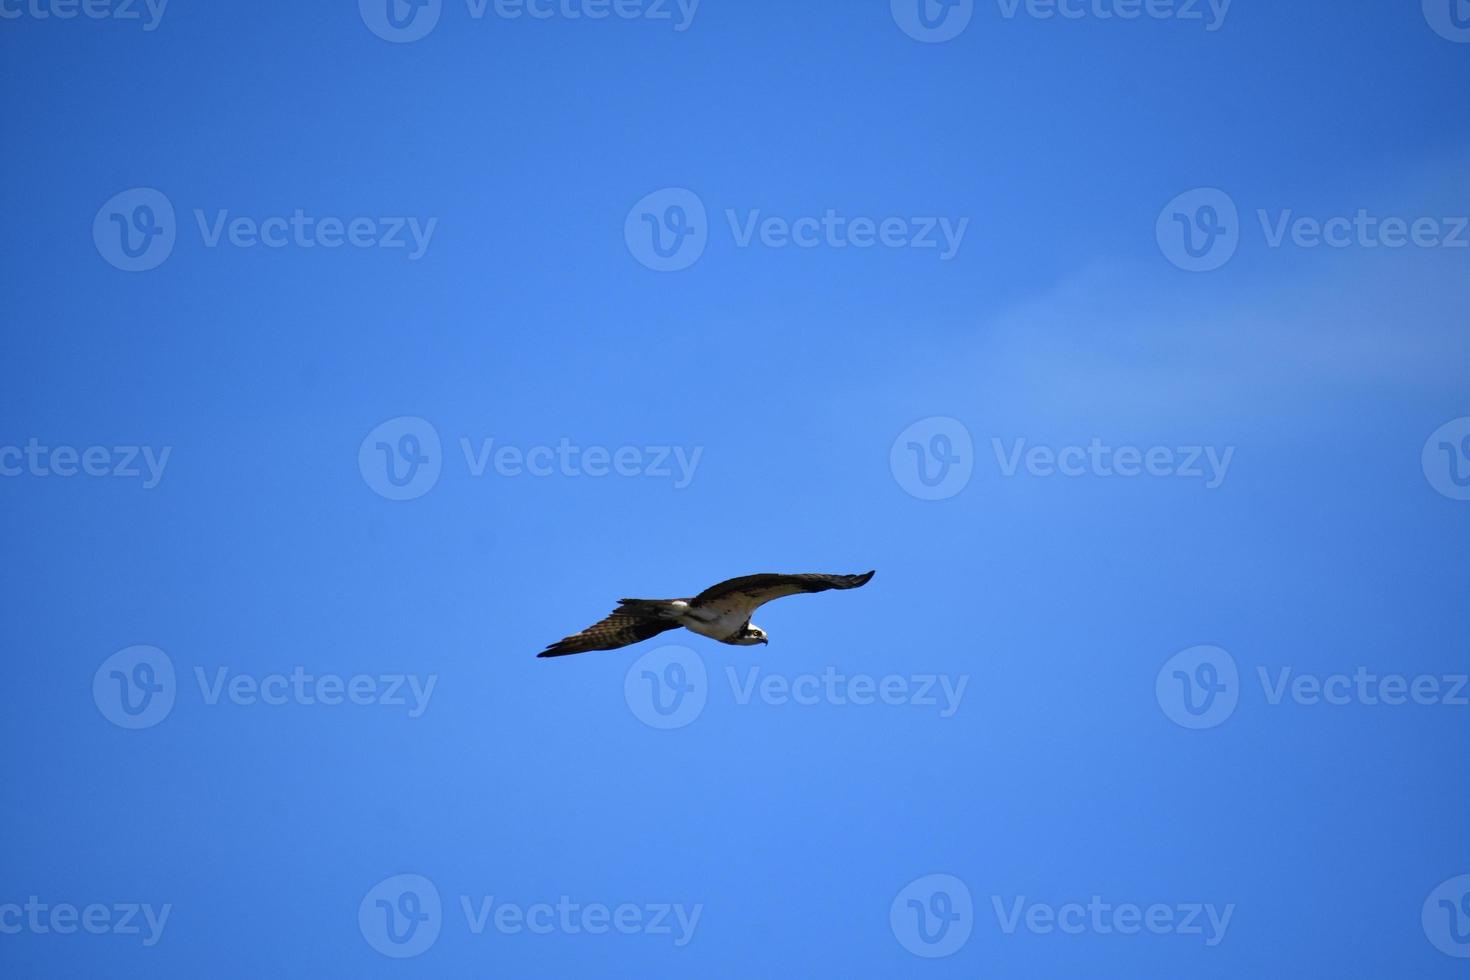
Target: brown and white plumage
point(721, 612)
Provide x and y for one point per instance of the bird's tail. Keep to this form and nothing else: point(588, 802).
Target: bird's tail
point(671, 609)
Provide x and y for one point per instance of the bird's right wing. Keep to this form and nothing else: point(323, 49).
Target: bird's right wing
point(629, 623)
point(749, 592)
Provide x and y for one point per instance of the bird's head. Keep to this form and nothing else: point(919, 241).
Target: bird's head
point(752, 636)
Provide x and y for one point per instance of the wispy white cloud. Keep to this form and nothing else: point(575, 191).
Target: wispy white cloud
point(1279, 331)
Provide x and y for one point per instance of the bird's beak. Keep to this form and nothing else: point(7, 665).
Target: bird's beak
point(765, 642)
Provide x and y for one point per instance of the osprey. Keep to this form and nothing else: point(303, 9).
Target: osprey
point(721, 612)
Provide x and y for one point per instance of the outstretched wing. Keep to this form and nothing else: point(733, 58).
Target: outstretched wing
point(628, 624)
point(749, 592)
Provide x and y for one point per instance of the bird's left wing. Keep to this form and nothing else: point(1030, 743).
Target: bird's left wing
point(749, 592)
point(631, 622)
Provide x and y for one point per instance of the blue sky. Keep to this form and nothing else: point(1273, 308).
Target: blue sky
point(1080, 723)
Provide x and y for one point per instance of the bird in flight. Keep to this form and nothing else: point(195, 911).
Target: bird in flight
point(721, 612)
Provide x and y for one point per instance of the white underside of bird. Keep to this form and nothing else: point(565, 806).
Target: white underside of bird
point(719, 622)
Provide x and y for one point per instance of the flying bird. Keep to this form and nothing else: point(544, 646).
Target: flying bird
point(721, 612)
